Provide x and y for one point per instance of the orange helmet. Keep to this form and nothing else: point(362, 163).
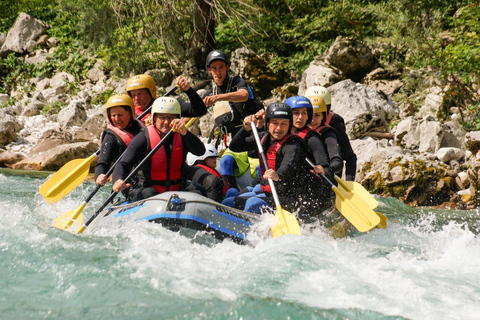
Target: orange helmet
point(142, 81)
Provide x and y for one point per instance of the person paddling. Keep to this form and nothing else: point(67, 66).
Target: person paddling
point(122, 128)
point(166, 170)
point(338, 123)
point(285, 155)
point(319, 193)
point(143, 91)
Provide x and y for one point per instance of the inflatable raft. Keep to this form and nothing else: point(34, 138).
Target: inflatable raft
point(189, 213)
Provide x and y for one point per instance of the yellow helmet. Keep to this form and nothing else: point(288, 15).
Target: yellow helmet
point(318, 104)
point(142, 81)
point(321, 92)
point(121, 100)
point(166, 105)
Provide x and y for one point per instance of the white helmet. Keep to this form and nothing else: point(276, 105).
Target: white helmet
point(210, 151)
point(321, 92)
point(166, 105)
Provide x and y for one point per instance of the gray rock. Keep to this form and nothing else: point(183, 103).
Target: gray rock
point(4, 98)
point(319, 73)
point(2, 38)
point(25, 29)
point(73, 115)
point(40, 56)
point(448, 154)
point(9, 126)
point(353, 57)
point(350, 99)
point(92, 128)
point(35, 105)
point(8, 158)
point(61, 79)
point(472, 141)
point(54, 158)
point(96, 73)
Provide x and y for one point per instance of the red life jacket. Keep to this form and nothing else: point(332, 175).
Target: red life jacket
point(329, 117)
point(303, 133)
point(166, 173)
point(271, 155)
point(146, 118)
point(319, 129)
point(123, 135)
point(216, 174)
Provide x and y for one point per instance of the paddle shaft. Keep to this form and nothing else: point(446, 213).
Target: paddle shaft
point(321, 174)
point(135, 170)
point(169, 92)
point(265, 164)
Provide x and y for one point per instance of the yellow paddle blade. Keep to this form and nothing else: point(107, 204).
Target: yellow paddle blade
point(68, 218)
point(286, 223)
point(383, 220)
point(355, 210)
point(355, 187)
point(66, 179)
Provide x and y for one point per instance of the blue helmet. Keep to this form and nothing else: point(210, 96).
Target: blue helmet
point(301, 102)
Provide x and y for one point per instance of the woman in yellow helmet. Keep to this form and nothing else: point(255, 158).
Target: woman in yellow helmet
point(122, 127)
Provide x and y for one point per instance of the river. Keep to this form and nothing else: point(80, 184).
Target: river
point(425, 265)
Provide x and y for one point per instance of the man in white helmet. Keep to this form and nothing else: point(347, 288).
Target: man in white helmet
point(166, 170)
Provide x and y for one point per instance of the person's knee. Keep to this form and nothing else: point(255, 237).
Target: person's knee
point(227, 163)
point(142, 193)
point(254, 205)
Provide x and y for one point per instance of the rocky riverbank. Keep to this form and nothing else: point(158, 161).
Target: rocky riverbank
point(422, 156)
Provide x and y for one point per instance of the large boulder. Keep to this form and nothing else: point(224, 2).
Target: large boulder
point(363, 108)
point(255, 70)
point(92, 128)
point(34, 105)
point(24, 31)
point(52, 159)
point(8, 158)
point(73, 115)
point(353, 57)
point(434, 135)
point(472, 141)
point(319, 73)
point(9, 126)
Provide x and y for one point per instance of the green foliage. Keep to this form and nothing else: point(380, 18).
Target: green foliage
point(102, 97)
point(438, 36)
point(53, 107)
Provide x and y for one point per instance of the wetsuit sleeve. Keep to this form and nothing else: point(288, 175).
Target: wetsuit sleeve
point(193, 144)
point(239, 83)
point(108, 152)
point(293, 156)
point(136, 152)
point(334, 152)
point(243, 141)
point(195, 108)
point(320, 155)
point(208, 93)
point(347, 153)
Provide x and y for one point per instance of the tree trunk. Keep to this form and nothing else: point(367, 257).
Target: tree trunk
point(202, 39)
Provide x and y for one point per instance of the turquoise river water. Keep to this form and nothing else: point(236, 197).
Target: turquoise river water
point(425, 265)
